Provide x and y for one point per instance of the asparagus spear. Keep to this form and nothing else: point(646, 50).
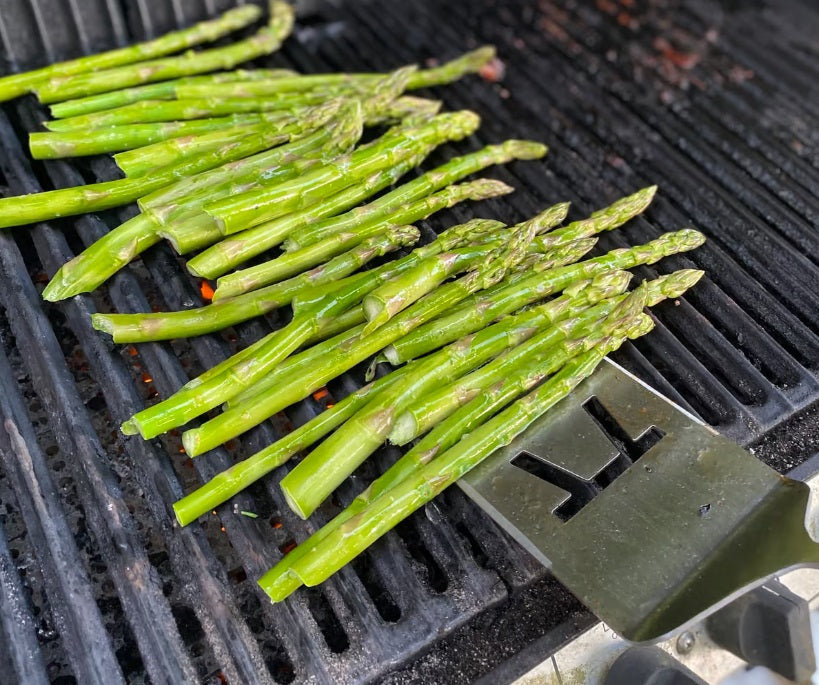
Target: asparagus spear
point(154, 111)
point(340, 454)
point(361, 174)
point(26, 209)
point(272, 233)
point(18, 84)
point(470, 62)
point(346, 118)
point(452, 237)
point(131, 328)
point(121, 245)
point(513, 382)
point(55, 145)
point(191, 402)
point(252, 209)
point(147, 111)
point(348, 352)
point(252, 278)
point(606, 219)
point(508, 298)
point(230, 482)
point(436, 405)
point(343, 543)
point(57, 87)
point(164, 90)
point(397, 294)
point(556, 257)
point(450, 172)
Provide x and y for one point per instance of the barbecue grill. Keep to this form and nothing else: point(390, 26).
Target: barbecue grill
point(715, 101)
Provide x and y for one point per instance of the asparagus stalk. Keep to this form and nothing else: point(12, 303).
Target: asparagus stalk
point(247, 280)
point(349, 351)
point(146, 159)
point(232, 481)
point(272, 233)
point(132, 328)
point(164, 90)
point(27, 209)
point(148, 111)
point(227, 254)
point(515, 381)
point(195, 399)
point(396, 295)
point(345, 129)
point(18, 84)
point(338, 456)
point(252, 209)
point(606, 219)
point(470, 62)
point(56, 86)
point(452, 237)
point(118, 247)
point(56, 145)
point(435, 406)
point(450, 172)
point(406, 107)
point(508, 298)
point(341, 544)
point(557, 257)
point(156, 111)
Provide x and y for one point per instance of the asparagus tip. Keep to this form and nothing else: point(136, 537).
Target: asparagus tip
point(485, 188)
point(673, 285)
point(525, 149)
point(404, 429)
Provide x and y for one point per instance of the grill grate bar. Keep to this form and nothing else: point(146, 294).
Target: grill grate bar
point(719, 166)
point(67, 586)
point(20, 648)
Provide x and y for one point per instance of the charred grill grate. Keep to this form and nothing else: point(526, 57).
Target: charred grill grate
point(689, 95)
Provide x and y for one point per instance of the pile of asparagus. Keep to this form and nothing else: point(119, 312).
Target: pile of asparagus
point(471, 322)
point(476, 333)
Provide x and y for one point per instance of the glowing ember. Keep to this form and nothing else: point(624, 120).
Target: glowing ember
point(206, 290)
point(320, 394)
point(288, 547)
point(492, 71)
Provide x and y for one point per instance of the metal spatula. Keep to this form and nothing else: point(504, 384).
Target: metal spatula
point(649, 517)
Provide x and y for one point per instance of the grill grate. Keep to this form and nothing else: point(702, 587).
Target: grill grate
point(683, 94)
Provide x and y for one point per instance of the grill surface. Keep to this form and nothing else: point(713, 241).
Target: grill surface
point(714, 101)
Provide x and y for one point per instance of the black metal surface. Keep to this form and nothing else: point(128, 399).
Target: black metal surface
point(711, 101)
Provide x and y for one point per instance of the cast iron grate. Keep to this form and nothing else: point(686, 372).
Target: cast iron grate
point(685, 95)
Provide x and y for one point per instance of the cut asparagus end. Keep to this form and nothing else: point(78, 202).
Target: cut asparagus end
point(293, 502)
point(129, 428)
point(102, 322)
point(373, 307)
point(404, 429)
point(278, 585)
